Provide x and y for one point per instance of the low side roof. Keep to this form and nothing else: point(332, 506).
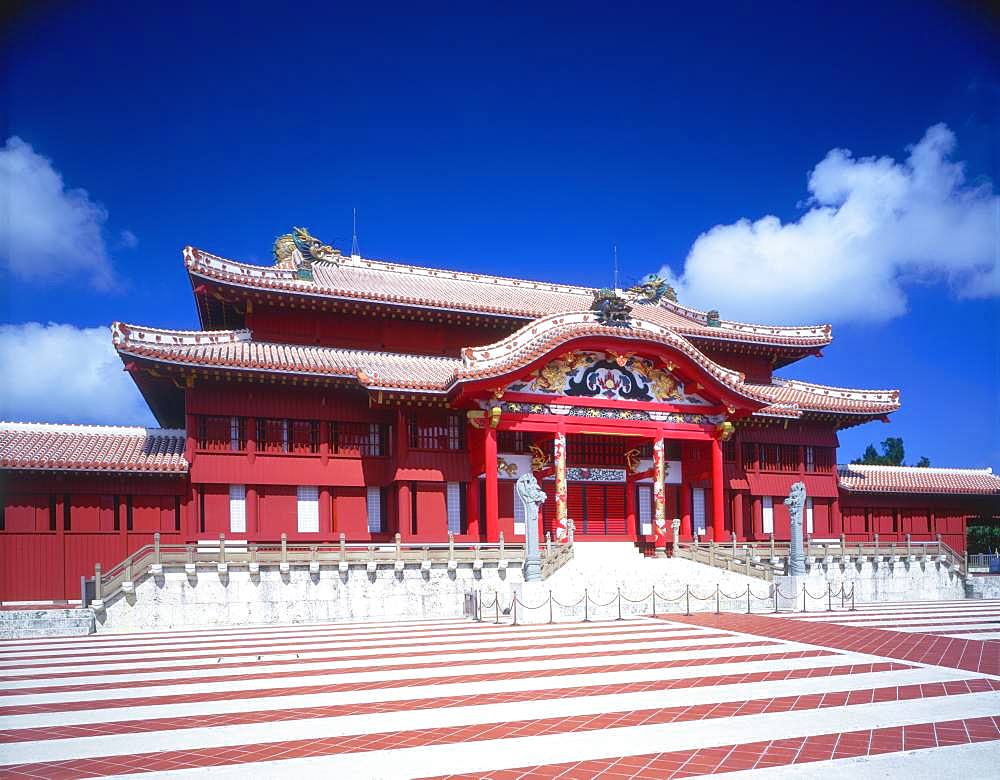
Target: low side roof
point(236, 350)
point(52, 447)
point(360, 279)
point(858, 478)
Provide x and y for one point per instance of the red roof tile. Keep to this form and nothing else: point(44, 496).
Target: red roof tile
point(376, 370)
point(858, 478)
point(50, 447)
point(355, 278)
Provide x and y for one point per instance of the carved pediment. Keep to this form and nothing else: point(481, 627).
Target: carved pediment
point(606, 375)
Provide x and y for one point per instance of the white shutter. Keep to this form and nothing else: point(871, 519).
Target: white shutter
point(519, 526)
point(374, 510)
point(698, 508)
point(809, 515)
point(308, 509)
point(238, 509)
point(454, 507)
point(645, 509)
point(767, 514)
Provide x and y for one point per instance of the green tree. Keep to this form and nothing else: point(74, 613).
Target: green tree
point(924, 462)
point(892, 454)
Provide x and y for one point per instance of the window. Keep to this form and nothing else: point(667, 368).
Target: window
point(645, 502)
point(308, 509)
point(304, 437)
point(810, 457)
point(456, 507)
point(129, 513)
point(698, 509)
point(749, 457)
point(359, 439)
point(375, 516)
point(520, 527)
point(446, 434)
point(52, 512)
point(767, 514)
point(117, 515)
point(66, 506)
point(809, 515)
point(272, 435)
point(238, 509)
point(729, 451)
point(177, 513)
point(511, 441)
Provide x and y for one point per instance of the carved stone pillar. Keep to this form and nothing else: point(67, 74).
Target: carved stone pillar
point(559, 461)
point(659, 489)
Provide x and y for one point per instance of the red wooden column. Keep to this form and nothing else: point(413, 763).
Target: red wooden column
point(325, 512)
point(686, 533)
point(738, 525)
point(253, 521)
point(718, 506)
point(491, 512)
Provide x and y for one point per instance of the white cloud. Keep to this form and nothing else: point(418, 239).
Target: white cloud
point(47, 230)
point(128, 239)
point(61, 373)
point(872, 227)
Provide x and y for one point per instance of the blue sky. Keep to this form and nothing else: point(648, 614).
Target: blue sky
point(522, 141)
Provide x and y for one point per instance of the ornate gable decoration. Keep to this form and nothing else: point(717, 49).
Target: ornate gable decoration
point(298, 250)
point(611, 308)
point(606, 375)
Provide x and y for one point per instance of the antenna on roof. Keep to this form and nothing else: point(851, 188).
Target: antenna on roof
point(614, 255)
point(355, 252)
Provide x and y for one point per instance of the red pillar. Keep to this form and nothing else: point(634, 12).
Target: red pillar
point(630, 522)
point(686, 532)
point(491, 512)
point(325, 511)
point(738, 525)
point(403, 507)
point(253, 521)
point(718, 505)
point(472, 508)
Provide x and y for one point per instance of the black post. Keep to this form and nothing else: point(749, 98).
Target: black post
point(586, 603)
point(804, 607)
point(829, 598)
point(496, 603)
point(748, 599)
point(717, 610)
point(513, 608)
point(550, 606)
point(619, 603)
point(654, 602)
point(775, 597)
point(687, 599)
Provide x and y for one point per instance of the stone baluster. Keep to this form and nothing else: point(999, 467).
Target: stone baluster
point(283, 564)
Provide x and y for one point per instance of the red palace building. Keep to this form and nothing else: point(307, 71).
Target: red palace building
point(331, 394)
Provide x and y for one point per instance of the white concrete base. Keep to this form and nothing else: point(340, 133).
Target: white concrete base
point(31, 623)
point(238, 597)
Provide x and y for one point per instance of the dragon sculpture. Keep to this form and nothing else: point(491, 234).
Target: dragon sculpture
point(539, 460)
point(299, 249)
point(651, 290)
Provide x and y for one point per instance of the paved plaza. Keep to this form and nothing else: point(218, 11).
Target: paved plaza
point(788, 696)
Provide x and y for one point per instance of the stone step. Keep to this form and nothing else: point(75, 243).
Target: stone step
point(31, 623)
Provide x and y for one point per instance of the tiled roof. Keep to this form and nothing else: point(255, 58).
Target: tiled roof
point(235, 349)
point(355, 278)
point(385, 370)
point(50, 447)
point(788, 397)
point(859, 478)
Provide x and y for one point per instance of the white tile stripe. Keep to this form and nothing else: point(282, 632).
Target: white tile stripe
point(480, 657)
point(487, 755)
point(96, 714)
point(306, 652)
point(953, 762)
point(452, 717)
point(385, 676)
point(430, 637)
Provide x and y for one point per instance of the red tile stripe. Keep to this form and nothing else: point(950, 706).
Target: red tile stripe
point(263, 716)
point(376, 685)
point(974, 655)
point(500, 730)
point(759, 755)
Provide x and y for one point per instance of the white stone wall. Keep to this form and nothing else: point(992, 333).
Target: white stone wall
point(175, 599)
point(32, 623)
point(984, 587)
point(892, 580)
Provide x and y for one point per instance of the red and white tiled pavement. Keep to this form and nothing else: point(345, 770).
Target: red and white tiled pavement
point(646, 697)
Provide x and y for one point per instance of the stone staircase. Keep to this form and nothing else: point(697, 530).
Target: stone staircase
point(603, 567)
point(31, 623)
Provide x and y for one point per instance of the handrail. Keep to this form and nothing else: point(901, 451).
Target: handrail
point(223, 554)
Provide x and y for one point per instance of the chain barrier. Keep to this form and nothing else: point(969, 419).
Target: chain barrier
point(774, 593)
